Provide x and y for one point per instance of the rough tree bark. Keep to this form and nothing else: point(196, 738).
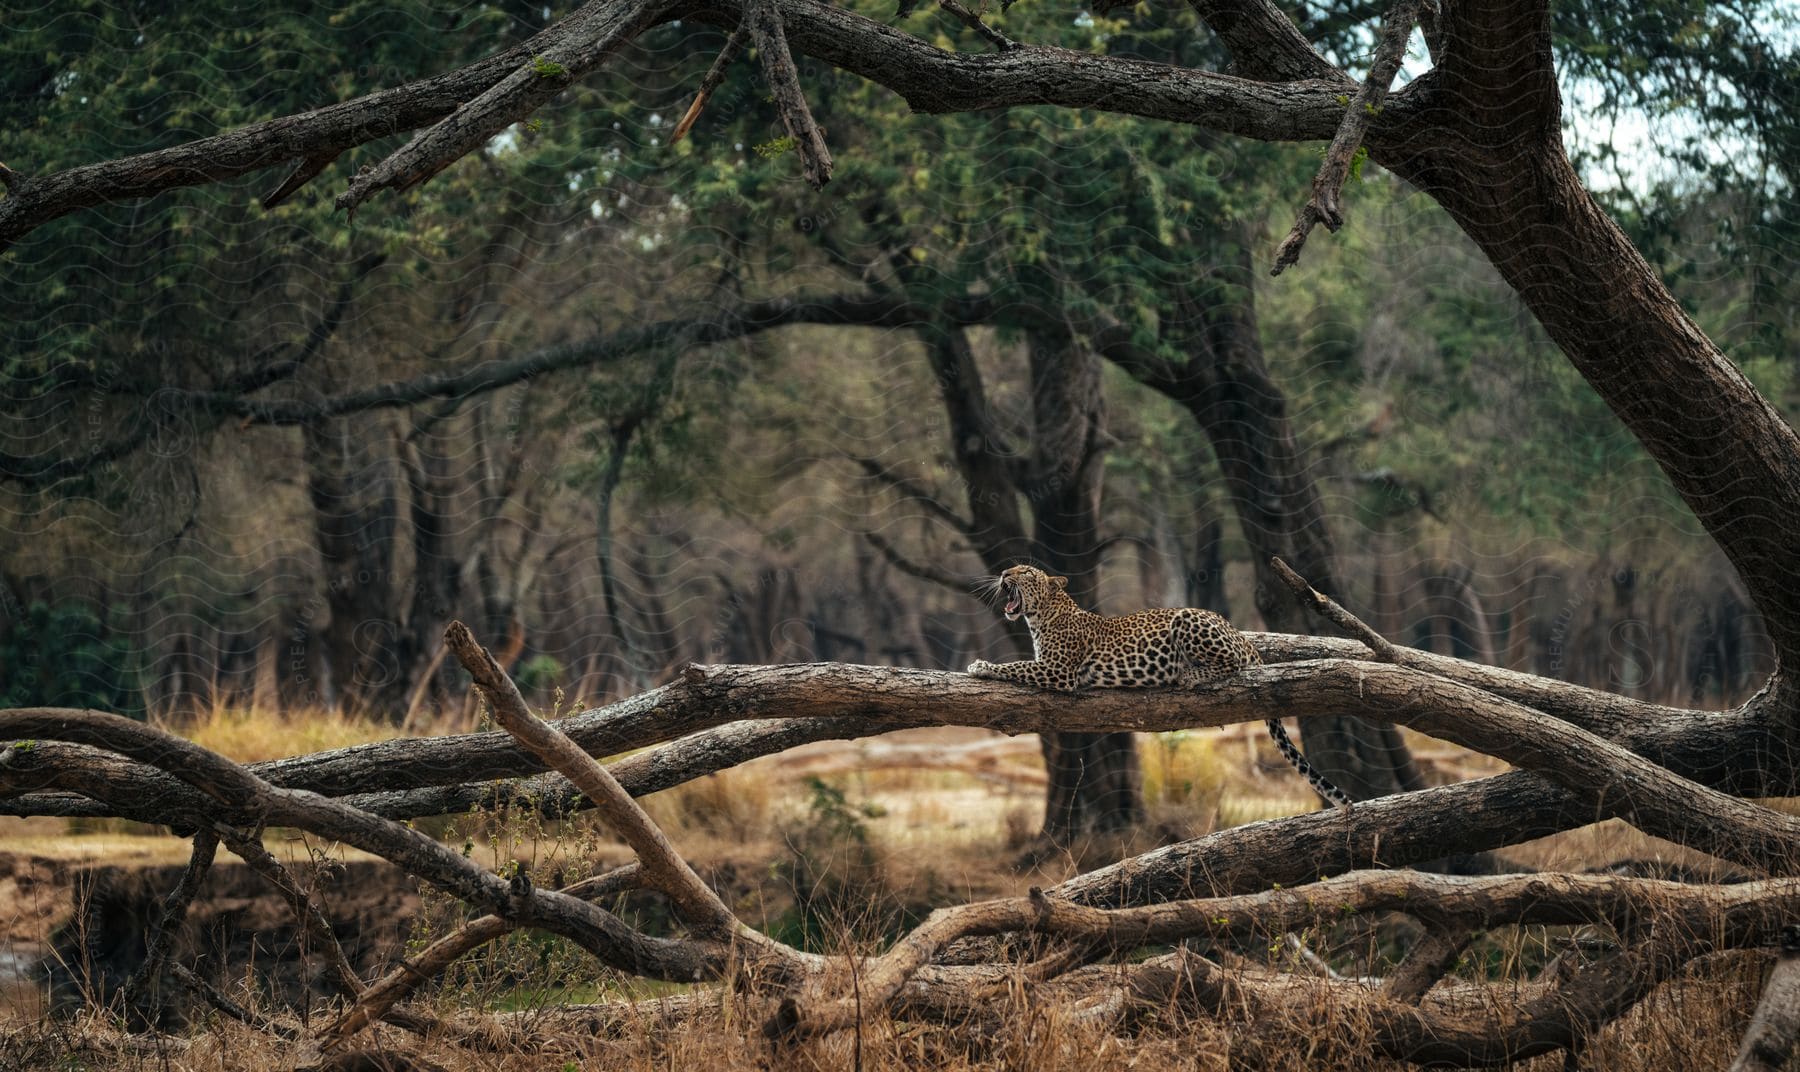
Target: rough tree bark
point(354, 522)
point(1095, 782)
point(1226, 385)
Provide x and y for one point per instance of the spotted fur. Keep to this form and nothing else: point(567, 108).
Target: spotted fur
point(1077, 649)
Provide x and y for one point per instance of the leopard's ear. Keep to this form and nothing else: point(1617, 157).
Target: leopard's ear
point(1060, 582)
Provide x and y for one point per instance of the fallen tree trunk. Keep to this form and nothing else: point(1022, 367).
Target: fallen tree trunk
point(128, 769)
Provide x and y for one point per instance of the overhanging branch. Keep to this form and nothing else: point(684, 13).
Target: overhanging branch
point(1326, 206)
point(501, 89)
point(589, 37)
point(766, 29)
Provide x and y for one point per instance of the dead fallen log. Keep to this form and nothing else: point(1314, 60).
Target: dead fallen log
point(1658, 925)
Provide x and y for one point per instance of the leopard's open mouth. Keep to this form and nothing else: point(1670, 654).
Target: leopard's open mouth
point(1012, 602)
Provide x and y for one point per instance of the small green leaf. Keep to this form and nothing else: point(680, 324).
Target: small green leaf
point(547, 68)
point(770, 149)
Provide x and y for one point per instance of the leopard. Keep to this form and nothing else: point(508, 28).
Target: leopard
point(1076, 649)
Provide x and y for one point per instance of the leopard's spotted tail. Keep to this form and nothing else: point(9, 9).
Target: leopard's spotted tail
point(1318, 781)
point(1321, 785)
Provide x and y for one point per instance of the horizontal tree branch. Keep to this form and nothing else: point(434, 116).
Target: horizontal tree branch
point(1697, 919)
point(36, 200)
point(702, 328)
point(230, 787)
point(929, 78)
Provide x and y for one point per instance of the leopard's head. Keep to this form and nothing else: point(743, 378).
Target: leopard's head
point(1028, 591)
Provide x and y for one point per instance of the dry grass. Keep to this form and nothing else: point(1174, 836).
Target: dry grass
point(848, 863)
point(1689, 1025)
point(251, 735)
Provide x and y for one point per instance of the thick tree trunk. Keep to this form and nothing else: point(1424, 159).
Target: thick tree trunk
point(354, 523)
point(437, 571)
point(1489, 150)
point(1226, 385)
point(1095, 781)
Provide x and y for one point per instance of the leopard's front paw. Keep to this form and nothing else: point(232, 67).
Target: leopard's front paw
point(981, 668)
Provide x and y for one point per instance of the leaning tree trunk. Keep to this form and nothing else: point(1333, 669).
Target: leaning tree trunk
point(1490, 152)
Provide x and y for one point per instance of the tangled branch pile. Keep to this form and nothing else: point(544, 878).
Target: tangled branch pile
point(1080, 944)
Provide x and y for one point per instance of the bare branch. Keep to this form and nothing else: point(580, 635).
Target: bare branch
point(590, 36)
point(1325, 206)
point(174, 913)
point(308, 135)
point(913, 490)
point(974, 22)
point(959, 584)
point(1329, 609)
point(704, 328)
point(766, 29)
point(213, 996)
point(307, 912)
point(439, 955)
point(663, 866)
point(304, 172)
point(714, 75)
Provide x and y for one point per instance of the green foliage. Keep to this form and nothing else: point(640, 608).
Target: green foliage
point(539, 672)
point(544, 68)
point(775, 147)
point(66, 656)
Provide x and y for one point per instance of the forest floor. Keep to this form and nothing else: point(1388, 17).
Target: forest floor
point(831, 847)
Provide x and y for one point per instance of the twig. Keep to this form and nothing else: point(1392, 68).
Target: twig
point(1328, 608)
point(770, 36)
point(912, 489)
point(304, 172)
point(409, 975)
point(306, 910)
point(11, 179)
point(663, 866)
point(974, 22)
point(714, 75)
point(215, 997)
point(1325, 205)
point(911, 568)
point(174, 913)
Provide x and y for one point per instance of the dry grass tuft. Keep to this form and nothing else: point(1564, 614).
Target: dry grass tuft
point(251, 735)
